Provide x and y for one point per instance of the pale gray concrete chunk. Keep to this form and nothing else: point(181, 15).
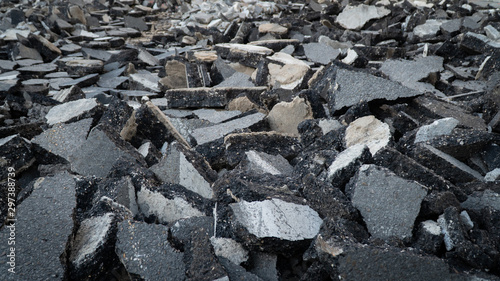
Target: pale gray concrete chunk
point(429, 29)
point(328, 125)
point(43, 227)
point(67, 111)
point(166, 210)
point(145, 251)
point(492, 32)
point(277, 218)
point(64, 139)
point(437, 128)
point(344, 159)
point(229, 249)
point(356, 17)
point(91, 235)
point(389, 204)
point(493, 175)
point(208, 134)
point(272, 28)
point(320, 53)
point(265, 163)
point(244, 48)
point(286, 71)
point(10, 75)
point(286, 116)
point(146, 57)
point(11, 34)
point(369, 131)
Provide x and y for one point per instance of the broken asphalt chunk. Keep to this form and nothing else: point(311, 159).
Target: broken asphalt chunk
point(186, 168)
point(389, 204)
point(207, 97)
point(50, 206)
point(140, 243)
point(345, 88)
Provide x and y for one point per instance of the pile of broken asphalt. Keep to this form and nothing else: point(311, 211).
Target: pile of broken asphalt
point(250, 140)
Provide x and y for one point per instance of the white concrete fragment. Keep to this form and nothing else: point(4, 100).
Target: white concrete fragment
point(277, 218)
point(466, 220)
point(166, 210)
point(428, 29)
point(144, 148)
point(369, 131)
point(286, 116)
point(492, 32)
point(432, 227)
point(328, 125)
point(448, 242)
point(288, 71)
point(351, 57)
point(345, 158)
point(90, 236)
point(356, 17)
point(229, 249)
point(492, 175)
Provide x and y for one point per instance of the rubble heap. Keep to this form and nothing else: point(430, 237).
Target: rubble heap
point(250, 140)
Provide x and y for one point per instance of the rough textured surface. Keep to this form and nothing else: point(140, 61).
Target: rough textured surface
point(145, 251)
point(208, 134)
point(176, 168)
point(390, 265)
point(37, 247)
point(388, 203)
point(437, 128)
point(285, 116)
point(64, 139)
point(352, 87)
point(368, 131)
point(356, 17)
point(411, 73)
point(86, 160)
point(67, 111)
point(217, 133)
point(166, 210)
point(277, 218)
point(261, 162)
